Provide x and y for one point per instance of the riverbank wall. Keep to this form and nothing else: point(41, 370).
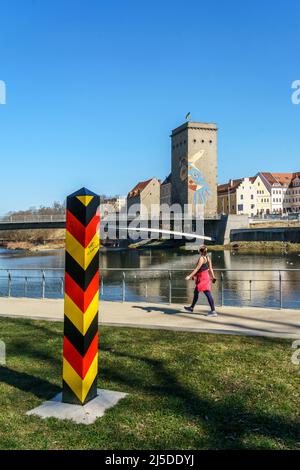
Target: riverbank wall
point(220, 229)
point(268, 234)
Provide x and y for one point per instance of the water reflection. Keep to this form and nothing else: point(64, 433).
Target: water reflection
point(242, 286)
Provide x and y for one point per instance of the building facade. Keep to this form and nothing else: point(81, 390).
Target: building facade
point(194, 166)
point(166, 191)
point(277, 184)
point(146, 196)
point(265, 193)
point(227, 197)
point(114, 204)
point(263, 196)
point(237, 197)
point(276, 191)
point(292, 195)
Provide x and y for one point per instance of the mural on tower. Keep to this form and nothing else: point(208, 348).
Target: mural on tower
point(196, 182)
point(183, 169)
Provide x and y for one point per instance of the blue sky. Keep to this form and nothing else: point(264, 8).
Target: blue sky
point(95, 87)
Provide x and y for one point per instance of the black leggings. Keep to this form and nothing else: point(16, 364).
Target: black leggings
point(208, 296)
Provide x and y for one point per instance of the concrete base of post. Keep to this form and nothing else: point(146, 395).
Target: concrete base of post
point(86, 414)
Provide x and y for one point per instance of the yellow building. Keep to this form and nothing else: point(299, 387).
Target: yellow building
point(263, 196)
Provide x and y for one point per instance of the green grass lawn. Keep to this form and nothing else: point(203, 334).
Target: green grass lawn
point(186, 390)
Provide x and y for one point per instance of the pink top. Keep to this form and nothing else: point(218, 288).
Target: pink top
point(202, 278)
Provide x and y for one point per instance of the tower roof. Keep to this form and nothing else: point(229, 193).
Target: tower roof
point(195, 125)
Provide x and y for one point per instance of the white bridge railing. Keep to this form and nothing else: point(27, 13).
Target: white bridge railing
point(31, 219)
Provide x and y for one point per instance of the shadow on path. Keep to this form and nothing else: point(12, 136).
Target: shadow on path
point(165, 310)
point(237, 327)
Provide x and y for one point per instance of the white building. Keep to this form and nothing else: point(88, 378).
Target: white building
point(277, 184)
point(237, 197)
point(114, 204)
point(292, 195)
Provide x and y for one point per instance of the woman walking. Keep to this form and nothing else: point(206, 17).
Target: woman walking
point(202, 275)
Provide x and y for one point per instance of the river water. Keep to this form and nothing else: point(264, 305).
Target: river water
point(248, 279)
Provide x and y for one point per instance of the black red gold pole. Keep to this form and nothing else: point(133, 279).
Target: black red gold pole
point(80, 348)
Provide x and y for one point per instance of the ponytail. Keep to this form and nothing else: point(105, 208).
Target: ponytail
point(203, 250)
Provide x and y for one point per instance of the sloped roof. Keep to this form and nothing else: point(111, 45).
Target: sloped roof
point(229, 186)
point(138, 188)
point(167, 179)
point(283, 178)
point(233, 184)
point(269, 177)
point(295, 175)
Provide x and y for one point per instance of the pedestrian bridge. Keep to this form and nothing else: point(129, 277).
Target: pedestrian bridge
point(15, 222)
point(114, 228)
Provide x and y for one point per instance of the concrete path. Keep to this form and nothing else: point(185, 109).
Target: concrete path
point(231, 320)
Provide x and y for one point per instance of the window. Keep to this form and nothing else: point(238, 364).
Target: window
point(195, 141)
point(242, 196)
point(252, 197)
point(252, 206)
point(240, 207)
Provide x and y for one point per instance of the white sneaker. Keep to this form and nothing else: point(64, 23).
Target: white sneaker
point(212, 314)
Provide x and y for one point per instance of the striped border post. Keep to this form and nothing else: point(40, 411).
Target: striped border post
point(80, 348)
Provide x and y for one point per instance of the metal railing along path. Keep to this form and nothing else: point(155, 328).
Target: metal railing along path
point(253, 287)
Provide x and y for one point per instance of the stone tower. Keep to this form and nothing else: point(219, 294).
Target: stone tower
point(194, 166)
